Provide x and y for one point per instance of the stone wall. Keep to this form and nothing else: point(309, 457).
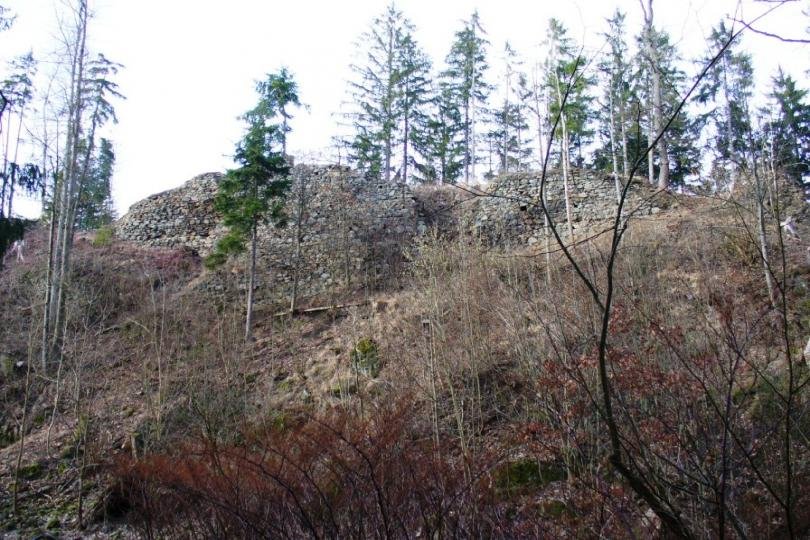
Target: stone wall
point(510, 214)
point(342, 228)
point(345, 229)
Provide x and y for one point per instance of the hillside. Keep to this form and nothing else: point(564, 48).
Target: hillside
point(456, 394)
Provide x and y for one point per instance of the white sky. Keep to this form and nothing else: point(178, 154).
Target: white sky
point(190, 65)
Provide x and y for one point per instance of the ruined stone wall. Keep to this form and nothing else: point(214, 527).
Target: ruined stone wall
point(345, 229)
point(511, 215)
point(342, 228)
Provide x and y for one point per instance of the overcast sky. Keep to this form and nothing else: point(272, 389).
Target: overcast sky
point(190, 65)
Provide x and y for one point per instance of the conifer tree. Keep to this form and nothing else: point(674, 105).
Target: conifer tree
point(413, 98)
point(254, 193)
point(651, 54)
point(617, 100)
point(790, 127)
point(509, 134)
point(467, 88)
point(95, 206)
point(682, 157)
point(727, 89)
point(389, 94)
point(569, 100)
point(440, 140)
point(17, 91)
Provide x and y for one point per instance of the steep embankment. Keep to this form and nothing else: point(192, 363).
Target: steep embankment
point(475, 361)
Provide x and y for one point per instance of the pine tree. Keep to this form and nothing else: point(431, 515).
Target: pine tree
point(466, 85)
point(254, 193)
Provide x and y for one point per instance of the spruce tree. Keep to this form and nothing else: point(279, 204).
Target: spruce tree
point(509, 133)
point(790, 127)
point(682, 155)
point(16, 93)
point(616, 103)
point(413, 98)
point(254, 193)
point(727, 90)
point(466, 85)
point(389, 95)
point(440, 140)
point(95, 206)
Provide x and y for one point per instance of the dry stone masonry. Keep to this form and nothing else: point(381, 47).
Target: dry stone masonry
point(346, 229)
point(511, 214)
point(342, 228)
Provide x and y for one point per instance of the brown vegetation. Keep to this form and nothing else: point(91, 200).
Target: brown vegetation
point(465, 403)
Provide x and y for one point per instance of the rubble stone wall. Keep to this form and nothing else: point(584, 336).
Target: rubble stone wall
point(346, 229)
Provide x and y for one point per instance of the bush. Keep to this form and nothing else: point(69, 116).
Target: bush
point(104, 236)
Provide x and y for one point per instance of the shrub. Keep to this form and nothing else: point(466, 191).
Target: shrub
point(104, 236)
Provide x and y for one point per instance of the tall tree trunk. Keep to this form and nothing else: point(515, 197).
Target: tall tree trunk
point(467, 142)
point(732, 165)
point(663, 152)
point(16, 168)
point(251, 284)
point(564, 159)
point(389, 113)
point(613, 151)
point(472, 122)
point(622, 125)
point(657, 105)
point(68, 186)
point(5, 167)
point(299, 227)
point(505, 142)
point(651, 153)
point(405, 134)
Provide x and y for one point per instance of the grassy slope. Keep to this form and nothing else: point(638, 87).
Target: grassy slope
point(154, 363)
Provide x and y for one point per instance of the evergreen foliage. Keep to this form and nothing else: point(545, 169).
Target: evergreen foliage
point(390, 93)
point(790, 127)
point(466, 87)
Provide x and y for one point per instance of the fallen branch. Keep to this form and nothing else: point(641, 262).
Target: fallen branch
point(309, 311)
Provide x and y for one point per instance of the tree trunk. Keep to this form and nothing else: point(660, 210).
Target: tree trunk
point(564, 159)
point(299, 218)
point(405, 135)
point(657, 105)
point(663, 152)
point(389, 113)
point(622, 122)
point(732, 167)
point(68, 186)
point(613, 151)
point(251, 284)
point(472, 122)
